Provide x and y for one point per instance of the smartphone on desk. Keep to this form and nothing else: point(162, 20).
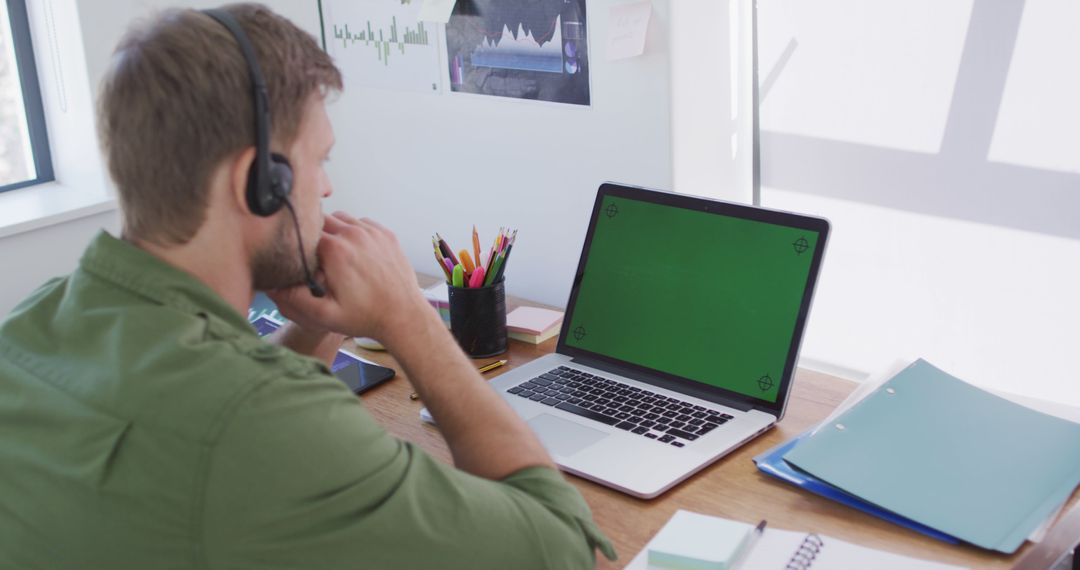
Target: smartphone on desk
point(358, 374)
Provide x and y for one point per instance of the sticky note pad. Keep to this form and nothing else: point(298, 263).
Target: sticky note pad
point(691, 541)
point(532, 320)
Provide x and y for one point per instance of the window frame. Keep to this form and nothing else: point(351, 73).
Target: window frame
point(19, 23)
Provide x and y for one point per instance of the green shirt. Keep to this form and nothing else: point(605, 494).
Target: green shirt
point(143, 424)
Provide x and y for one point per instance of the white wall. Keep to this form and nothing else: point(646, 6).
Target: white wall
point(943, 141)
point(711, 98)
point(32, 257)
point(494, 161)
point(104, 22)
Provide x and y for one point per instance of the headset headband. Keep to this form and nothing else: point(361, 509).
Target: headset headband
point(261, 97)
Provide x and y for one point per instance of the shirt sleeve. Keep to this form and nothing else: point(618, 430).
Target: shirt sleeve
point(301, 476)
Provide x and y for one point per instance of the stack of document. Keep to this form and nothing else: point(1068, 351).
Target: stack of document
point(929, 451)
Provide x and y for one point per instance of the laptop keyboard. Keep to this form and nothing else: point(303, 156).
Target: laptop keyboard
point(661, 418)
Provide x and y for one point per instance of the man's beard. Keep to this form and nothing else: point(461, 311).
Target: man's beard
point(277, 264)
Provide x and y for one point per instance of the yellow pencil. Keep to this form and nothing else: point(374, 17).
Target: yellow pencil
point(492, 366)
point(476, 245)
point(482, 369)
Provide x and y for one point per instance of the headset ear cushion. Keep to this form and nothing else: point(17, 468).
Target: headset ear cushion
point(266, 201)
point(259, 200)
point(281, 178)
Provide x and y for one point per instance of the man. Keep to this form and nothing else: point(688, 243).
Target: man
point(143, 424)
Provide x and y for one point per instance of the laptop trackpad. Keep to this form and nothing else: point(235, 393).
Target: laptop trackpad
point(562, 437)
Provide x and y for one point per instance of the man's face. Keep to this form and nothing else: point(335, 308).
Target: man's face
point(277, 264)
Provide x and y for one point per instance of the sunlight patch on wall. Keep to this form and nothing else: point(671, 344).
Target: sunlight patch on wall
point(1039, 121)
point(880, 74)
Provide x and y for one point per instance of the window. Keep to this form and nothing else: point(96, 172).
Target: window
point(24, 147)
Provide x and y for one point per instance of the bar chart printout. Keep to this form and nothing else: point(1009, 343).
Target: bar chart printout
point(528, 50)
point(383, 44)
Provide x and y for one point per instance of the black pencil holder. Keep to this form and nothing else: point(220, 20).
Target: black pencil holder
point(478, 319)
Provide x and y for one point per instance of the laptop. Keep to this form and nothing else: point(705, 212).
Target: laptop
point(679, 341)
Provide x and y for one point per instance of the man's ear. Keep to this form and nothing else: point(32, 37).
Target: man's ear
point(239, 168)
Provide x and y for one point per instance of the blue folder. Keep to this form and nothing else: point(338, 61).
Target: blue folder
point(772, 463)
point(930, 447)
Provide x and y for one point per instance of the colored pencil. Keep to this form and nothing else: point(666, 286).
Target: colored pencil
point(476, 245)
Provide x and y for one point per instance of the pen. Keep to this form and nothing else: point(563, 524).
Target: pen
point(449, 269)
point(438, 252)
point(439, 244)
point(476, 245)
point(477, 279)
point(458, 279)
point(466, 260)
point(439, 260)
point(447, 252)
point(745, 552)
point(491, 253)
point(506, 257)
point(496, 267)
point(482, 369)
point(492, 366)
point(490, 258)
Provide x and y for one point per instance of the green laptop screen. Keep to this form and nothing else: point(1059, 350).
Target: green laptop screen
point(706, 297)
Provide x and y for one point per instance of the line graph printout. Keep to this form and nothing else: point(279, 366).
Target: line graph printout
point(528, 50)
point(383, 44)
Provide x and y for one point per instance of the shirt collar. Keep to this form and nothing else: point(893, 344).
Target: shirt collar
point(132, 268)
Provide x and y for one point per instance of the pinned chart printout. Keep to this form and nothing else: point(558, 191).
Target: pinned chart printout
point(383, 44)
point(627, 26)
point(537, 50)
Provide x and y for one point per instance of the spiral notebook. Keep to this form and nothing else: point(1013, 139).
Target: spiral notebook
point(788, 550)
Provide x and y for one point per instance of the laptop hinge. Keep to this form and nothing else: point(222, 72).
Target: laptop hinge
point(685, 387)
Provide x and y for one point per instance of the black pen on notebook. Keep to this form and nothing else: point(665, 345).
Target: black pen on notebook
point(748, 547)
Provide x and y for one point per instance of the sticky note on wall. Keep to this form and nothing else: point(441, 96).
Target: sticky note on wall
point(627, 26)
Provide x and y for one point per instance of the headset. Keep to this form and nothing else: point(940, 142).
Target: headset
point(270, 180)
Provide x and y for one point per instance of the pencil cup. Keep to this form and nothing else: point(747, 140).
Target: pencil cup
point(478, 319)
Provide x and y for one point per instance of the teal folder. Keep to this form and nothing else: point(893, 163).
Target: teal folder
point(934, 449)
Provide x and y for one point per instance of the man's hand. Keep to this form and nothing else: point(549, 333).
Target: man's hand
point(371, 289)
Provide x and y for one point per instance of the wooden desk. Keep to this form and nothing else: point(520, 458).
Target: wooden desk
point(731, 488)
